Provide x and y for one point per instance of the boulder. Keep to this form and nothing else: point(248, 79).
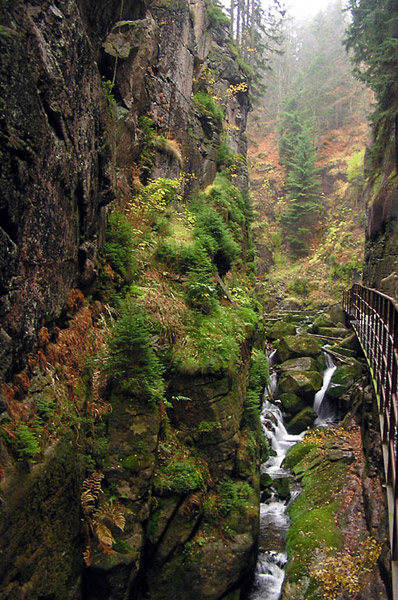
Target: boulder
point(337, 314)
point(294, 346)
point(334, 332)
point(265, 481)
point(343, 378)
point(302, 421)
point(322, 320)
point(280, 329)
point(303, 363)
point(282, 487)
point(301, 383)
point(292, 404)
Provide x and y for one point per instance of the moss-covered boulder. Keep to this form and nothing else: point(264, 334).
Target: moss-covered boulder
point(301, 383)
point(334, 332)
point(292, 404)
point(294, 346)
point(350, 343)
point(343, 378)
point(282, 486)
point(304, 363)
point(280, 329)
point(304, 419)
point(322, 320)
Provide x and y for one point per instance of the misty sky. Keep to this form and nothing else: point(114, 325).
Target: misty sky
point(306, 7)
point(300, 8)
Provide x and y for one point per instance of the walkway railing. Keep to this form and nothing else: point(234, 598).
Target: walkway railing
point(374, 318)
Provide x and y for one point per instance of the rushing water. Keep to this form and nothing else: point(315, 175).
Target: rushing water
point(274, 522)
point(322, 406)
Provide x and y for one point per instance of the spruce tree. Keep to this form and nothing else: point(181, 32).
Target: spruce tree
point(298, 155)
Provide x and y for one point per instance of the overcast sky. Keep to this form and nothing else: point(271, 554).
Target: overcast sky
point(299, 8)
point(306, 7)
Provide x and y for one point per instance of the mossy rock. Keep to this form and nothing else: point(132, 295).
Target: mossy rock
point(301, 383)
point(303, 363)
point(292, 404)
point(322, 320)
point(350, 343)
point(265, 481)
point(280, 329)
point(343, 378)
point(282, 487)
point(136, 462)
point(334, 332)
point(304, 419)
point(344, 352)
point(294, 346)
point(337, 314)
point(297, 453)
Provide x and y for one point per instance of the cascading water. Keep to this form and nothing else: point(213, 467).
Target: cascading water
point(274, 522)
point(323, 408)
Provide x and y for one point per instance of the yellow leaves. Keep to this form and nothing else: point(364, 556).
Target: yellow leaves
point(344, 571)
point(234, 89)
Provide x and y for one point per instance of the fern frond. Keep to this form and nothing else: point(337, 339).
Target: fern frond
point(93, 484)
point(87, 556)
point(111, 512)
point(104, 535)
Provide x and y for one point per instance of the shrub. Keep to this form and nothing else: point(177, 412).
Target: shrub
point(216, 15)
point(119, 243)
point(218, 241)
point(132, 363)
point(26, 443)
point(200, 290)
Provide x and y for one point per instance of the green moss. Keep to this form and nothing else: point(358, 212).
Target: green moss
point(207, 107)
point(297, 453)
point(315, 528)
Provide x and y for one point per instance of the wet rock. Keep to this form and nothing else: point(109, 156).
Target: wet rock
point(322, 320)
point(292, 404)
point(304, 363)
point(265, 481)
point(301, 383)
point(343, 378)
point(334, 332)
point(282, 487)
point(302, 421)
point(296, 346)
point(280, 329)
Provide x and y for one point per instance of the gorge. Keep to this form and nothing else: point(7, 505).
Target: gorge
point(142, 287)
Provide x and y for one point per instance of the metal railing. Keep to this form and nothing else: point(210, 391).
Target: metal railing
point(374, 318)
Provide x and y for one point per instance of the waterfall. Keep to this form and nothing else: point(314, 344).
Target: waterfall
point(323, 408)
point(274, 522)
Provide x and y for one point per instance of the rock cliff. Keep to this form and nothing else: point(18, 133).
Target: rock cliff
point(138, 479)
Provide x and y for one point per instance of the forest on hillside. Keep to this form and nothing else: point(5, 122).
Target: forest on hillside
point(307, 137)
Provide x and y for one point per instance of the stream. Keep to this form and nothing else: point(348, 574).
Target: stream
point(274, 522)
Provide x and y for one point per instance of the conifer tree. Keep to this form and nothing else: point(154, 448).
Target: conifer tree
point(298, 155)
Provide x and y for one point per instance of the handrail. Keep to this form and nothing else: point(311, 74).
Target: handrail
point(374, 318)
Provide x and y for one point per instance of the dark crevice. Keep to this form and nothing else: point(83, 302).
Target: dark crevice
point(7, 225)
point(54, 120)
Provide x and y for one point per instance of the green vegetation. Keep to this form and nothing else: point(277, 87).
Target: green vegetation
point(232, 496)
point(25, 443)
point(297, 154)
point(216, 14)
point(119, 244)
point(373, 38)
point(207, 107)
point(132, 363)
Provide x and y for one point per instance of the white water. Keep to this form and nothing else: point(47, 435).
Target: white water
point(274, 522)
point(324, 410)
